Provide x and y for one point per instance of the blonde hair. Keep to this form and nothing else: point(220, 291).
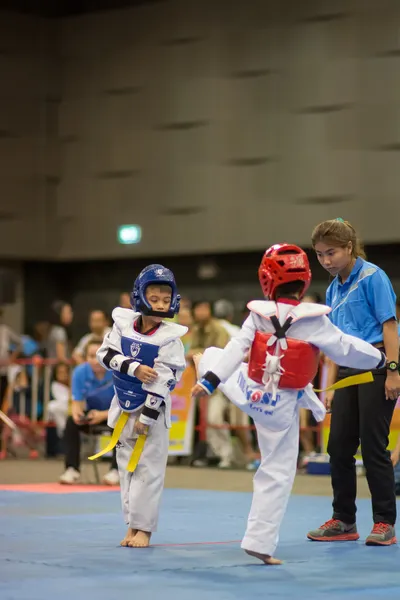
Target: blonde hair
point(338, 233)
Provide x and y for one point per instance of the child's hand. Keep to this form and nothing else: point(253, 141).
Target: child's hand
point(328, 400)
point(146, 374)
point(140, 428)
point(198, 391)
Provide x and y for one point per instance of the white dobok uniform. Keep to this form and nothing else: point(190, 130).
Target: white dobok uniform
point(276, 410)
point(122, 351)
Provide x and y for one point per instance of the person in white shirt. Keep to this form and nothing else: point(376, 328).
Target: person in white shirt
point(7, 338)
point(60, 391)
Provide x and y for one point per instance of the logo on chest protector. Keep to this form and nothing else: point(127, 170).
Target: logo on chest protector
point(257, 396)
point(135, 349)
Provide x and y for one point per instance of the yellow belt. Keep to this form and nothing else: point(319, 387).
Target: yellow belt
point(141, 440)
point(348, 381)
point(137, 450)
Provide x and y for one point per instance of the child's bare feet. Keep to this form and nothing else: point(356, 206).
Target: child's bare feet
point(265, 558)
point(196, 360)
point(130, 534)
point(141, 540)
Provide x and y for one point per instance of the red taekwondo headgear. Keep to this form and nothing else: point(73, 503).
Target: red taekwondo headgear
point(283, 263)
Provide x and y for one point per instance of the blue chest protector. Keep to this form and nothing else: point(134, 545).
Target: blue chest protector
point(129, 389)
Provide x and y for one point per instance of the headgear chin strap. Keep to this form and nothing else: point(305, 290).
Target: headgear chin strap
point(154, 275)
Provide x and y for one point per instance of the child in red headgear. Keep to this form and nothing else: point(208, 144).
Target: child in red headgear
point(284, 337)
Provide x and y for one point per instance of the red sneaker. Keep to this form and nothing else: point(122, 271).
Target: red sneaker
point(382, 534)
point(334, 531)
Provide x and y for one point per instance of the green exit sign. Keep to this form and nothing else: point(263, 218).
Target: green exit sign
point(129, 234)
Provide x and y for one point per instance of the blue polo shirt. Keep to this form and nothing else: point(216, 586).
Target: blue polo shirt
point(363, 302)
point(97, 393)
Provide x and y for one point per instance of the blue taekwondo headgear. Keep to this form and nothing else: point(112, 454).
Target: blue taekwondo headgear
point(153, 275)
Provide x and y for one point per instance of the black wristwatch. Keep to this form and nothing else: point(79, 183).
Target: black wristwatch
point(392, 366)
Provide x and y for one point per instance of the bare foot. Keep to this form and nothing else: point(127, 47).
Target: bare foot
point(130, 534)
point(141, 540)
point(265, 558)
point(196, 360)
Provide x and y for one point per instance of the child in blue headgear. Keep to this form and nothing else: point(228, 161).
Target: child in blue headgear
point(147, 358)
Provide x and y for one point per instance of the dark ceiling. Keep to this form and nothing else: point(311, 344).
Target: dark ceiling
point(67, 8)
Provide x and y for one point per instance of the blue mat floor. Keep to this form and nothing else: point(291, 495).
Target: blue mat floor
point(66, 547)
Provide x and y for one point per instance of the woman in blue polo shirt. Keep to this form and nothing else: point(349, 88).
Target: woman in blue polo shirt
point(92, 392)
point(364, 305)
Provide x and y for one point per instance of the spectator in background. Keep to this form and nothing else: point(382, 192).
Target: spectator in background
point(60, 393)
point(58, 344)
point(98, 328)
point(186, 303)
point(313, 297)
point(225, 312)
point(125, 300)
point(7, 338)
point(185, 318)
point(244, 313)
point(207, 332)
point(92, 392)
point(39, 339)
point(23, 432)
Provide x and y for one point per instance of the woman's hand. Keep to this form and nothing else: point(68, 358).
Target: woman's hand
point(395, 456)
point(392, 385)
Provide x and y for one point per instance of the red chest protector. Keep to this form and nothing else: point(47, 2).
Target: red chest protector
point(299, 362)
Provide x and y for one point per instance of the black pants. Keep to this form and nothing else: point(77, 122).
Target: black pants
point(361, 413)
point(72, 444)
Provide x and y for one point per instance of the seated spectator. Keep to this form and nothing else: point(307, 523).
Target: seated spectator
point(60, 393)
point(98, 328)
point(92, 392)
